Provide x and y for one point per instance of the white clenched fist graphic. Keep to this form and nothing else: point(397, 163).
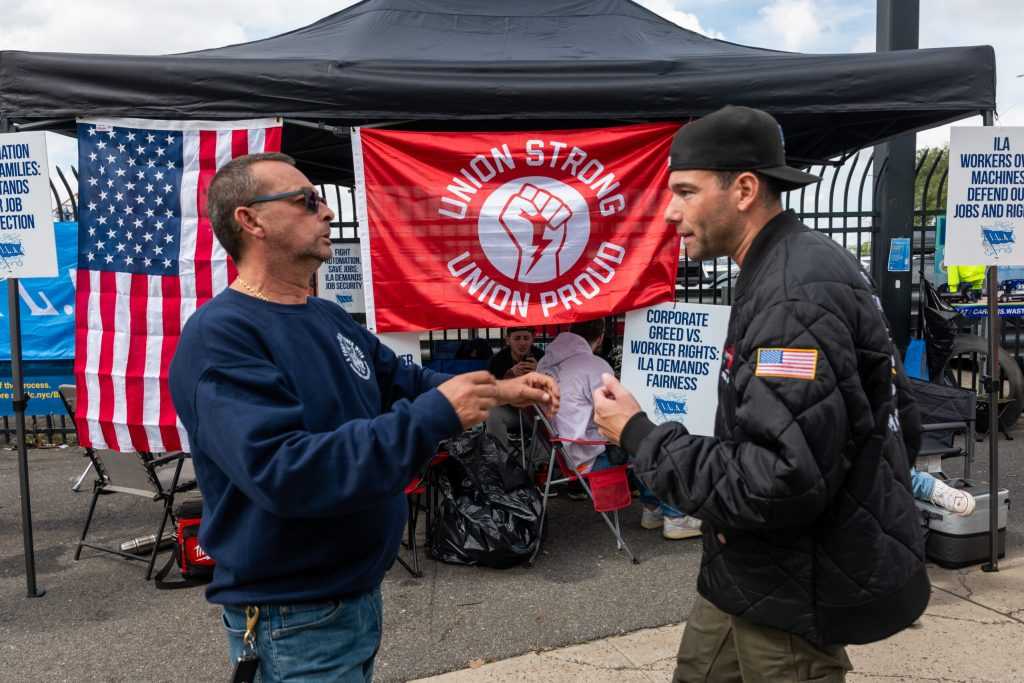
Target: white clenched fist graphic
point(537, 222)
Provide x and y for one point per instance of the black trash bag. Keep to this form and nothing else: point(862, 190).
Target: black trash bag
point(940, 326)
point(488, 510)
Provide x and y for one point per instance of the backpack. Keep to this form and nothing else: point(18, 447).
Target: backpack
point(195, 565)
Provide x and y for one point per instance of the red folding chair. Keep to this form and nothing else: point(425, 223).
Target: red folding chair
point(608, 489)
point(419, 496)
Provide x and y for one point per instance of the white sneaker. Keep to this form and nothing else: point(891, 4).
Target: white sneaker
point(652, 518)
point(677, 528)
point(956, 501)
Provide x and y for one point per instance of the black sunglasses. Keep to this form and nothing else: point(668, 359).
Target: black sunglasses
point(311, 198)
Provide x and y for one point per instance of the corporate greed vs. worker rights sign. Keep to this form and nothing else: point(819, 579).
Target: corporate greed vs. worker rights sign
point(27, 243)
point(671, 356)
point(986, 196)
point(512, 228)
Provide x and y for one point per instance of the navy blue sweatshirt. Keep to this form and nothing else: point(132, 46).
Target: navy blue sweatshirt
point(304, 430)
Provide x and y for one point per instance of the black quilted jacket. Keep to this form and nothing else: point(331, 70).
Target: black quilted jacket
point(807, 477)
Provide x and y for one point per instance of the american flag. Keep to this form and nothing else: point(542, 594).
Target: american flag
point(147, 259)
point(791, 363)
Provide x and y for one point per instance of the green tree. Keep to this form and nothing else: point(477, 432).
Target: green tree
point(929, 158)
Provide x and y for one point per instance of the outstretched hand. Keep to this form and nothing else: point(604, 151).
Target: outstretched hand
point(472, 395)
point(531, 389)
point(613, 408)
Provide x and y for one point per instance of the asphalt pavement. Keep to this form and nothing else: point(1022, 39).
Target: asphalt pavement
point(100, 620)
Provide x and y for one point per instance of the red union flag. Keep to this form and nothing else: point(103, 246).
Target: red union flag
point(512, 228)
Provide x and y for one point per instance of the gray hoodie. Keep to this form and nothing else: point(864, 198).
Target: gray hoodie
point(578, 372)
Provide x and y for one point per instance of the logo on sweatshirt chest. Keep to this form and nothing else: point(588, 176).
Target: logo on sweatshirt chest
point(355, 357)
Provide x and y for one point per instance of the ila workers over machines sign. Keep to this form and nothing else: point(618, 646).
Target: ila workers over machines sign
point(985, 213)
point(512, 228)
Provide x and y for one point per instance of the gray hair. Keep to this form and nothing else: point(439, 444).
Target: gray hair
point(235, 185)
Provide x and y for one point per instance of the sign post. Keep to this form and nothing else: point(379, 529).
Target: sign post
point(985, 210)
point(27, 249)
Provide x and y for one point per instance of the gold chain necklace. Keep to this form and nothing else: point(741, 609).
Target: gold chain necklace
point(258, 293)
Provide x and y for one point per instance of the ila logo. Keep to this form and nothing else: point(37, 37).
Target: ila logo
point(355, 356)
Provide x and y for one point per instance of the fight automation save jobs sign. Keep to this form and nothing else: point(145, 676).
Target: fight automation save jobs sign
point(27, 244)
point(986, 196)
point(671, 355)
point(340, 279)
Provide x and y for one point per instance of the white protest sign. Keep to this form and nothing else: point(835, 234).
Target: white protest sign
point(986, 196)
point(671, 355)
point(28, 247)
point(340, 279)
point(406, 346)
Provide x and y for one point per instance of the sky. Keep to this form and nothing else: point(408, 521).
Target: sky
point(815, 26)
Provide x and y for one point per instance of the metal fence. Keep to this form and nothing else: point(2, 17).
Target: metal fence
point(41, 430)
point(842, 206)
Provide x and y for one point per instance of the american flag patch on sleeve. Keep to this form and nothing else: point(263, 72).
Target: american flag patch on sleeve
point(788, 363)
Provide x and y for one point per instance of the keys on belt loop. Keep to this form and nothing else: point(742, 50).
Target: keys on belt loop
point(252, 616)
point(249, 662)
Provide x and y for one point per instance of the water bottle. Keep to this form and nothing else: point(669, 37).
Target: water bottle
point(144, 544)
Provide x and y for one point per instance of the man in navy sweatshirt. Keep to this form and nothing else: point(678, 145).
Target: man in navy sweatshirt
point(304, 429)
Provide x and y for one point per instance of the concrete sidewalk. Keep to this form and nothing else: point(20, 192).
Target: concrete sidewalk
point(973, 630)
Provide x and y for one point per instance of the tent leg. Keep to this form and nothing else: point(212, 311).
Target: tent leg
point(19, 404)
point(995, 384)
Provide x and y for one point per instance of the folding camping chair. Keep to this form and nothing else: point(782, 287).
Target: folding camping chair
point(67, 397)
point(608, 489)
point(419, 494)
point(945, 412)
point(137, 474)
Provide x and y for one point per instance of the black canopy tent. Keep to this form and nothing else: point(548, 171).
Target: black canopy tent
point(467, 64)
point(464, 64)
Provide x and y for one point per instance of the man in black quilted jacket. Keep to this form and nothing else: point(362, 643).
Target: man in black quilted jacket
point(811, 537)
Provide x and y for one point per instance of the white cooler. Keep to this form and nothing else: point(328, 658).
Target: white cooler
point(953, 541)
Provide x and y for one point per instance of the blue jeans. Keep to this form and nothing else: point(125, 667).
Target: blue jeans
point(321, 641)
point(921, 484)
point(647, 498)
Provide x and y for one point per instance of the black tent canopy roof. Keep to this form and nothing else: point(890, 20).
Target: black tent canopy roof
point(462, 64)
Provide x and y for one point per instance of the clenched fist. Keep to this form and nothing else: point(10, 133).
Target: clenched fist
point(472, 395)
point(537, 222)
point(613, 407)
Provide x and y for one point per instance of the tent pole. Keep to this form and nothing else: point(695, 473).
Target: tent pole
point(41, 125)
point(320, 125)
point(19, 403)
point(387, 124)
point(994, 386)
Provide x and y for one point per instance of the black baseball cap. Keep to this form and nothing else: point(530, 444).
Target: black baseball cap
point(736, 139)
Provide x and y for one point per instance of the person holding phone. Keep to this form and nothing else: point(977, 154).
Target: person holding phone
point(518, 357)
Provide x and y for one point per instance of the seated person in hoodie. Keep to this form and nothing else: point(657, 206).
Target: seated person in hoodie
point(572, 361)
